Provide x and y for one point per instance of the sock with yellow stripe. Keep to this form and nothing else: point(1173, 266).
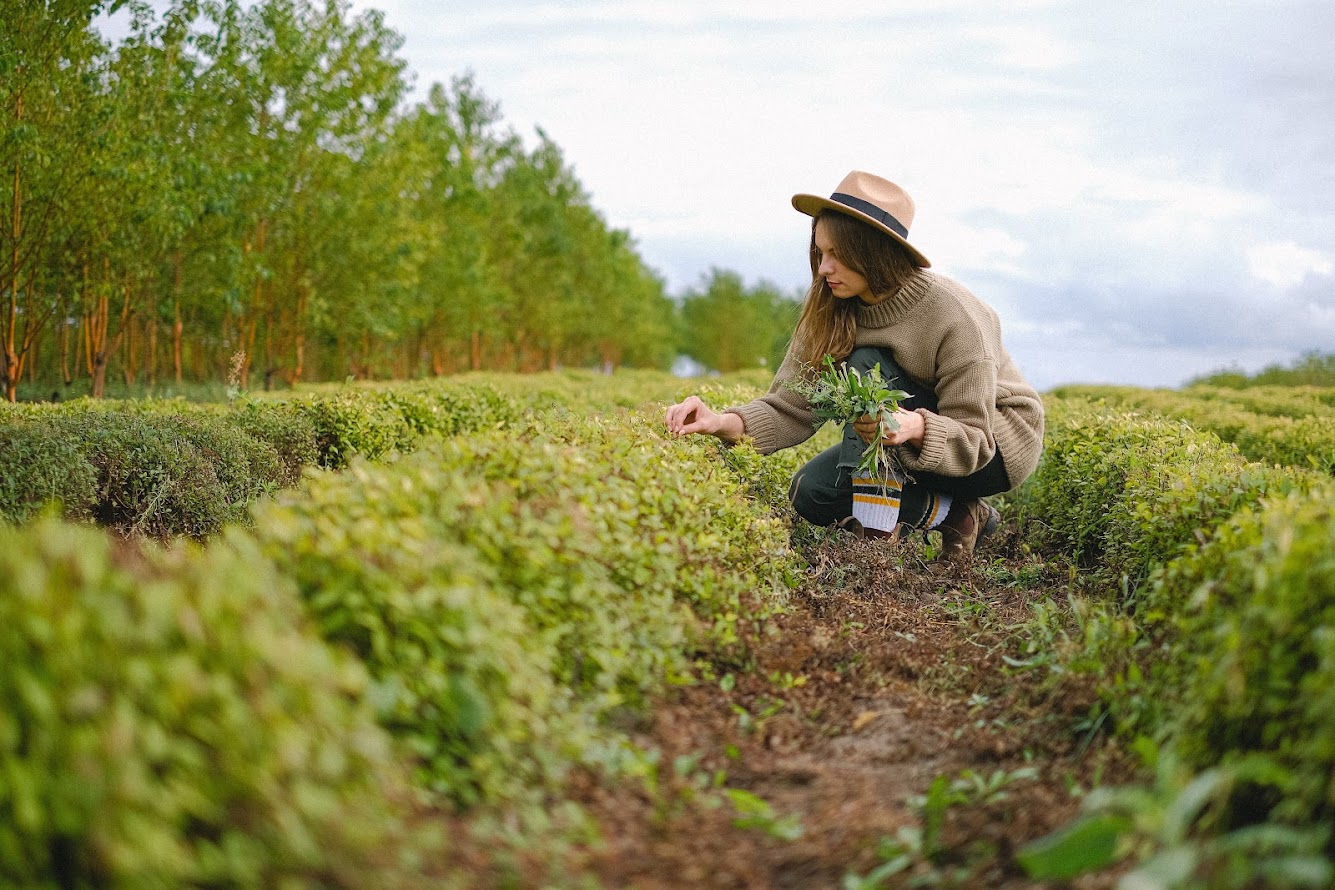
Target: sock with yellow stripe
point(876, 502)
point(921, 507)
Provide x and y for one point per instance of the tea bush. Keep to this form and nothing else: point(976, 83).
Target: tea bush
point(1123, 493)
point(1223, 641)
point(1249, 665)
point(1289, 426)
point(512, 592)
point(168, 719)
point(460, 673)
point(291, 435)
point(42, 466)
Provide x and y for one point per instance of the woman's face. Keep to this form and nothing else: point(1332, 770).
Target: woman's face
point(843, 281)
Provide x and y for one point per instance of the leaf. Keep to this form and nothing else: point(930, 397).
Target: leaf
point(864, 718)
point(1086, 845)
point(1167, 869)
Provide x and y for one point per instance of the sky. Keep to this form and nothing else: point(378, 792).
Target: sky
point(1144, 191)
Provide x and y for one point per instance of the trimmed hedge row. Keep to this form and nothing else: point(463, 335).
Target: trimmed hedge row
point(1249, 627)
point(510, 592)
point(168, 718)
point(1220, 575)
point(163, 469)
point(170, 467)
point(1281, 425)
point(192, 717)
point(1122, 493)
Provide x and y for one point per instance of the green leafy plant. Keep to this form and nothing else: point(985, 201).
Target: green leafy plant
point(755, 812)
point(922, 848)
point(843, 394)
point(1175, 829)
point(171, 720)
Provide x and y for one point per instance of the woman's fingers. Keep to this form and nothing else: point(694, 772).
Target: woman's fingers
point(685, 416)
point(866, 427)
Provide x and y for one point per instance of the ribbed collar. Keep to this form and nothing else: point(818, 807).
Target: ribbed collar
point(897, 306)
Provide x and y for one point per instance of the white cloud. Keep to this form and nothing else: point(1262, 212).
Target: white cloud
point(1024, 46)
point(1285, 264)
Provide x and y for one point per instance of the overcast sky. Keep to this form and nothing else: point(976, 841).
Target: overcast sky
point(1144, 190)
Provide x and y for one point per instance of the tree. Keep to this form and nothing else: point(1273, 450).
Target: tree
point(50, 61)
point(727, 327)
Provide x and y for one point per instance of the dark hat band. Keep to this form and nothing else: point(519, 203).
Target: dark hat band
point(873, 211)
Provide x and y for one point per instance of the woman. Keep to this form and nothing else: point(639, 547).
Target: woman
point(972, 427)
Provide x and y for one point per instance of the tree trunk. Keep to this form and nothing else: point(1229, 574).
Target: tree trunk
point(100, 350)
point(65, 351)
point(299, 338)
point(152, 352)
point(477, 350)
point(178, 328)
point(250, 324)
point(130, 359)
point(11, 367)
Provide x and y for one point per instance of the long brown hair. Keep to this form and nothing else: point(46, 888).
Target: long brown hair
point(828, 325)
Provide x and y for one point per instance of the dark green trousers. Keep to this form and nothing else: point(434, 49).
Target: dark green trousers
point(822, 491)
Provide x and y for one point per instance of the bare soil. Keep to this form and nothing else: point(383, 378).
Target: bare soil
point(887, 671)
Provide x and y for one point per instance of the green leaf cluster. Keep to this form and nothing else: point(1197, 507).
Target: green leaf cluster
point(1289, 426)
point(843, 395)
point(168, 718)
point(1221, 583)
point(1122, 492)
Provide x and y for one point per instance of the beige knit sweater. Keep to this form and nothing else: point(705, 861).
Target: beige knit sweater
point(943, 337)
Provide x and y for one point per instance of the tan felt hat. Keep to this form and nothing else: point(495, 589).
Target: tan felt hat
point(876, 201)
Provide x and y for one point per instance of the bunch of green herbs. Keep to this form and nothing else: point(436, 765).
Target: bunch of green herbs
point(843, 395)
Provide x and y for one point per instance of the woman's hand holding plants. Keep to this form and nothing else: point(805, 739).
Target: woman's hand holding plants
point(846, 395)
point(909, 428)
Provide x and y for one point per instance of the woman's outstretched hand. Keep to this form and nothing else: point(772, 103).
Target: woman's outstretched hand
point(910, 432)
point(692, 415)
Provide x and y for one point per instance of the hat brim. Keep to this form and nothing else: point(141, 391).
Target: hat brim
point(812, 205)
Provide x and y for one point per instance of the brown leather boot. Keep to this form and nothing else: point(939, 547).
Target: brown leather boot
point(858, 530)
point(968, 522)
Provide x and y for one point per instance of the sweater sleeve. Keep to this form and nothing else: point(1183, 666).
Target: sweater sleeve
point(781, 418)
point(958, 437)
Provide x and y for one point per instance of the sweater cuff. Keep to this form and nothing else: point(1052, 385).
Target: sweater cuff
point(758, 423)
point(933, 450)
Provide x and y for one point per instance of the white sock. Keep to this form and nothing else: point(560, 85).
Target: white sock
point(937, 509)
point(876, 502)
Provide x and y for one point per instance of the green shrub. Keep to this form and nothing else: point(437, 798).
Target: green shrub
point(460, 674)
point(1123, 493)
point(352, 422)
point(246, 467)
point(168, 720)
point(151, 478)
point(1249, 662)
point(288, 432)
point(1289, 426)
point(42, 465)
point(512, 591)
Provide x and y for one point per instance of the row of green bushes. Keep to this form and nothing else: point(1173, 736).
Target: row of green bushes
point(458, 626)
point(170, 467)
point(1289, 426)
point(1216, 638)
point(172, 719)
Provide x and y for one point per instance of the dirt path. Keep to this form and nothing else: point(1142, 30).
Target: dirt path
point(903, 680)
point(886, 675)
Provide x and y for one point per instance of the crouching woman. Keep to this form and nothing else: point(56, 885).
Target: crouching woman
point(972, 425)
